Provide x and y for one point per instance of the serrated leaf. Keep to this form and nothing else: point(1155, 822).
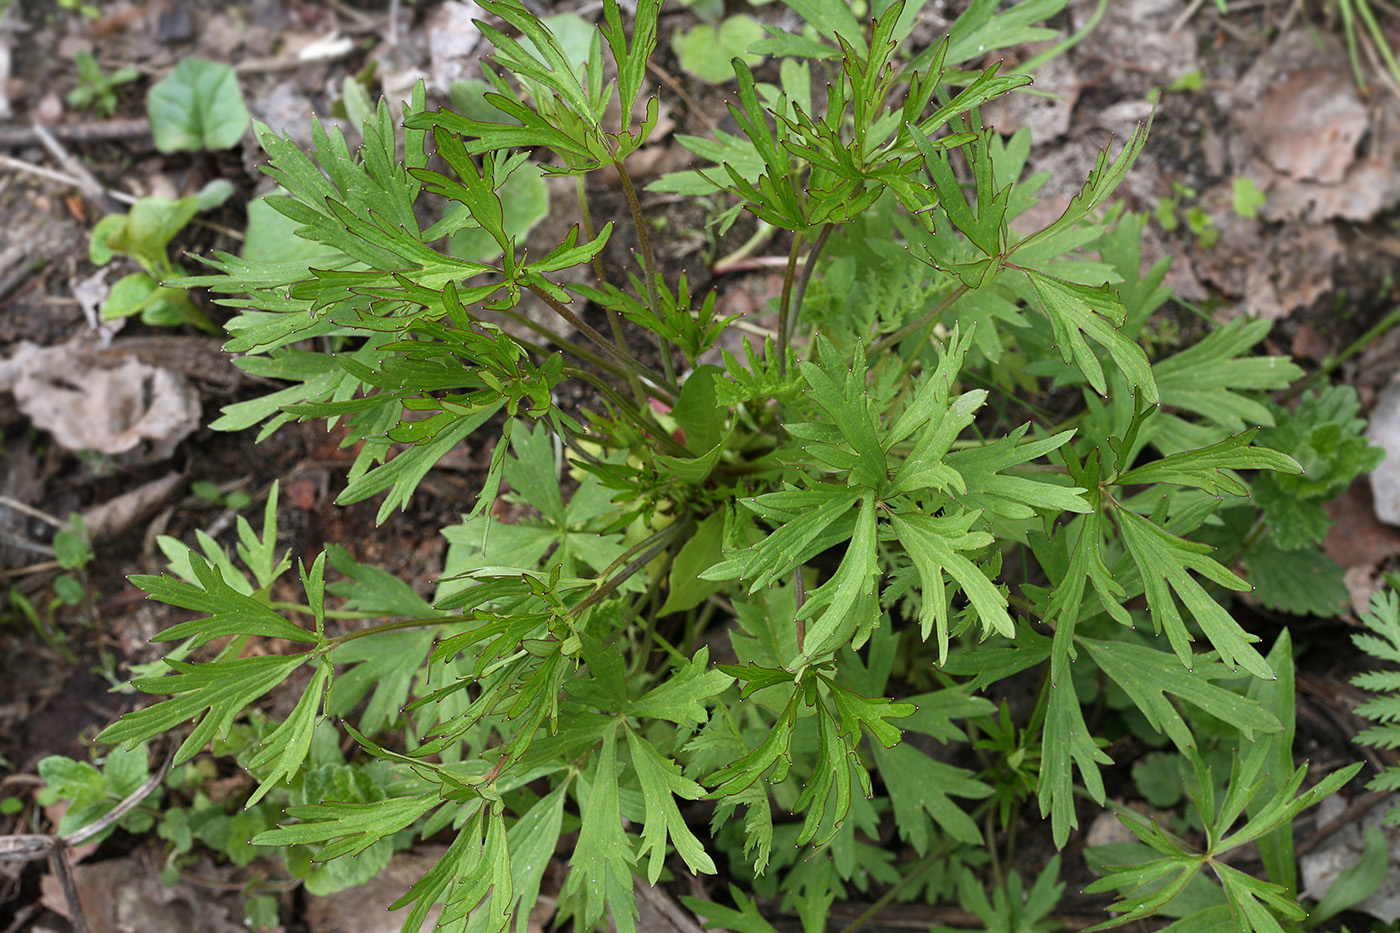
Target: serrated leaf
point(1215, 380)
point(778, 553)
point(1078, 311)
point(601, 866)
point(681, 697)
point(919, 785)
point(214, 693)
point(933, 544)
point(1164, 561)
point(661, 779)
point(1147, 676)
point(290, 742)
point(1301, 582)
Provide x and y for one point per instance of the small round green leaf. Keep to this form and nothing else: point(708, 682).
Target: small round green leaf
point(707, 52)
point(99, 249)
point(128, 296)
point(199, 106)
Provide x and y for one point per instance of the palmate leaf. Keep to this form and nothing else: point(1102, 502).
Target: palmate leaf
point(1213, 379)
point(316, 377)
point(661, 780)
point(214, 693)
point(988, 484)
point(840, 391)
point(1078, 311)
point(933, 544)
point(230, 612)
point(1164, 561)
point(919, 788)
point(982, 219)
point(813, 510)
point(1254, 905)
point(830, 786)
point(681, 698)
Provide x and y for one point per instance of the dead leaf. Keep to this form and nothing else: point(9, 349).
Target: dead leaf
point(116, 515)
point(108, 403)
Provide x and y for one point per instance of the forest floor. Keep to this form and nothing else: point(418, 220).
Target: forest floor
point(1265, 93)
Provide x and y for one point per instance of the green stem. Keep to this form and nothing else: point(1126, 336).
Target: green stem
point(614, 320)
point(607, 588)
point(640, 662)
point(329, 613)
point(626, 359)
point(648, 263)
point(563, 343)
point(809, 266)
point(333, 643)
point(587, 218)
point(785, 304)
point(793, 292)
point(665, 534)
point(925, 320)
point(639, 416)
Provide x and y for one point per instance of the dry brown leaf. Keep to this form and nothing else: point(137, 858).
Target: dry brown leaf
point(99, 403)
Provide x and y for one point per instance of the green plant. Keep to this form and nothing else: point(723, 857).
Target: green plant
point(953, 439)
point(706, 49)
point(92, 793)
point(1382, 642)
point(210, 492)
point(72, 549)
point(144, 234)
point(198, 106)
point(1374, 39)
point(1200, 223)
point(85, 10)
point(95, 89)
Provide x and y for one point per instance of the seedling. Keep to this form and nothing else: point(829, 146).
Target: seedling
point(95, 89)
point(144, 235)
